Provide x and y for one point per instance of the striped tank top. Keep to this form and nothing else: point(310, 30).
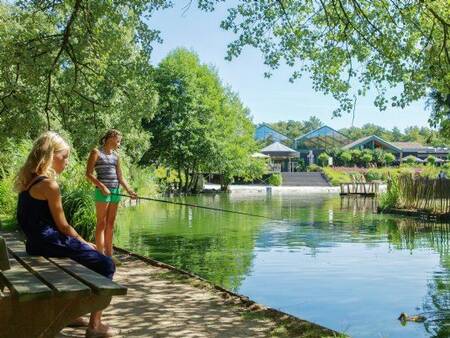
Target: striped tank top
point(106, 169)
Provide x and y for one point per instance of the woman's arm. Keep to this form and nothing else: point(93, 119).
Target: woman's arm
point(93, 156)
point(52, 193)
point(122, 180)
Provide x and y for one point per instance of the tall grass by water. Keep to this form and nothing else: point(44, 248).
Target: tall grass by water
point(417, 193)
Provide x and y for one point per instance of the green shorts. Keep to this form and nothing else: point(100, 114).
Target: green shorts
point(99, 197)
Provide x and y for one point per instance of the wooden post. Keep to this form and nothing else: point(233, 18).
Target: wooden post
point(4, 258)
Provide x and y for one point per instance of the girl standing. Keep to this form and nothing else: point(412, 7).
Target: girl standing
point(41, 217)
point(106, 163)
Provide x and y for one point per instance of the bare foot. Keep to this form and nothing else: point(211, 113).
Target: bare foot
point(102, 330)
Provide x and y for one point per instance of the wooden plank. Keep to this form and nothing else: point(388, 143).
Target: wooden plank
point(23, 284)
point(57, 279)
point(99, 284)
point(4, 258)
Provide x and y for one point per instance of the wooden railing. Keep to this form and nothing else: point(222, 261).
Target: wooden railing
point(354, 188)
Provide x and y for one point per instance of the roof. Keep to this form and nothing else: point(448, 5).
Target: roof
point(408, 145)
point(316, 130)
point(259, 155)
point(366, 139)
point(277, 148)
point(261, 125)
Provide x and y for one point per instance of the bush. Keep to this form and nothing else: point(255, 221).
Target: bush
point(431, 160)
point(391, 197)
point(336, 177)
point(275, 180)
point(346, 157)
point(314, 168)
point(409, 160)
point(323, 159)
point(389, 158)
point(374, 175)
point(366, 158)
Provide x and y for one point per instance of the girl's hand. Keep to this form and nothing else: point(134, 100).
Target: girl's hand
point(132, 194)
point(105, 191)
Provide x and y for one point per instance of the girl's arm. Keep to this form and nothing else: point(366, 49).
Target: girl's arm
point(93, 156)
point(53, 195)
point(122, 180)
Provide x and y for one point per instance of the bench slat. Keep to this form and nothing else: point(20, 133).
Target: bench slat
point(4, 259)
point(63, 283)
point(99, 284)
point(23, 284)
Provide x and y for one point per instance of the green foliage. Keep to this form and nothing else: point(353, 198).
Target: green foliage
point(373, 175)
point(381, 44)
point(200, 125)
point(323, 159)
point(336, 177)
point(410, 160)
point(366, 158)
point(346, 157)
point(293, 129)
point(275, 179)
point(314, 168)
point(60, 73)
point(431, 160)
point(389, 158)
point(391, 197)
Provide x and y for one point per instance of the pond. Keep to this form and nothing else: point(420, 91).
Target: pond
point(329, 260)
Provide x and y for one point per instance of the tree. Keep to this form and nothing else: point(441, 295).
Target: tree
point(200, 126)
point(323, 159)
point(366, 158)
point(346, 157)
point(76, 66)
point(389, 158)
point(380, 44)
point(379, 156)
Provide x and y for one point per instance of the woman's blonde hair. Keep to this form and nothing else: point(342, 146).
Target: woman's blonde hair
point(39, 161)
point(110, 133)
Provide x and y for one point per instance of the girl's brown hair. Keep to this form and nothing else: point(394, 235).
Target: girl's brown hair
point(39, 161)
point(110, 133)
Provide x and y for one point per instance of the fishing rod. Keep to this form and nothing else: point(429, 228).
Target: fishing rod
point(197, 206)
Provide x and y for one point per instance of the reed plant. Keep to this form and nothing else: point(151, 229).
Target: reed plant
point(390, 198)
point(414, 192)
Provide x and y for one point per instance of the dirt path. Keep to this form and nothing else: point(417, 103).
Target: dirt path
point(163, 303)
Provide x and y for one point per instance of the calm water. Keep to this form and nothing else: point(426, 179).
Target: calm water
point(331, 260)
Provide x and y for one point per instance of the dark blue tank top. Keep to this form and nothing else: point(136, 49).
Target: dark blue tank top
point(34, 215)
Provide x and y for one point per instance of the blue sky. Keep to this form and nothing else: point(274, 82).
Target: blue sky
point(272, 99)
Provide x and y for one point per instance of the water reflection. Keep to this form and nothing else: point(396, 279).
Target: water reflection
point(332, 260)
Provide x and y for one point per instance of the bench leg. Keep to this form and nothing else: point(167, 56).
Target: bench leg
point(44, 318)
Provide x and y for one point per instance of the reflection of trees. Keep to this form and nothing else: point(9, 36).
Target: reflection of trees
point(218, 247)
point(411, 234)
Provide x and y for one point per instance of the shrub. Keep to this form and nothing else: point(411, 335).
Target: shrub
point(323, 159)
point(391, 197)
point(366, 158)
point(275, 179)
point(389, 158)
point(346, 157)
point(336, 177)
point(314, 168)
point(409, 160)
point(431, 160)
point(374, 175)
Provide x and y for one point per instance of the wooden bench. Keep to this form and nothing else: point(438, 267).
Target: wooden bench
point(40, 296)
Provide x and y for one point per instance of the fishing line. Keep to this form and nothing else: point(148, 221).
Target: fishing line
point(199, 206)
